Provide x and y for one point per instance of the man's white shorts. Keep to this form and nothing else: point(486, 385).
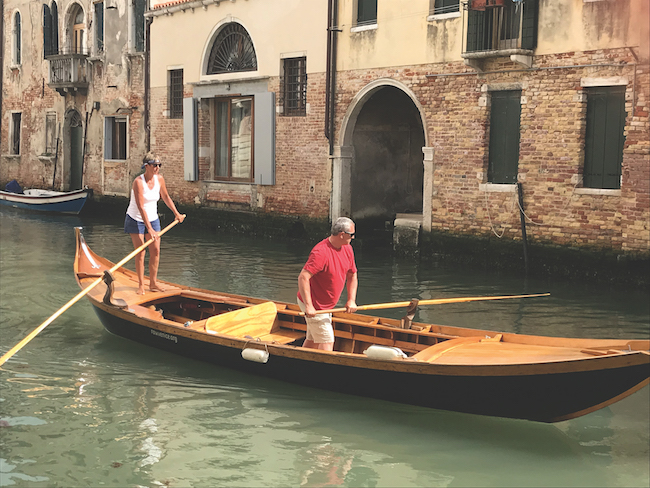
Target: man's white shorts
point(319, 327)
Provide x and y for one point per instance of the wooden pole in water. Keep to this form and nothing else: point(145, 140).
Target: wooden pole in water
point(522, 217)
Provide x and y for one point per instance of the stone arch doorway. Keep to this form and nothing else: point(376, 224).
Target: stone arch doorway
point(73, 151)
point(387, 171)
point(382, 164)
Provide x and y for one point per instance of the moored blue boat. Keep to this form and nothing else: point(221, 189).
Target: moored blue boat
point(47, 200)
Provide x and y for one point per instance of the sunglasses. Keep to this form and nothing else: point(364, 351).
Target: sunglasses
point(350, 234)
point(154, 163)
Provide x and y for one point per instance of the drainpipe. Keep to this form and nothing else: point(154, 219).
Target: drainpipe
point(147, 82)
point(330, 73)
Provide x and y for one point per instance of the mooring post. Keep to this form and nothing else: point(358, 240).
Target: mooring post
point(522, 217)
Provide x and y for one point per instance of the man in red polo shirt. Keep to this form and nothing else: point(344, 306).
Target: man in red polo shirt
point(329, 268)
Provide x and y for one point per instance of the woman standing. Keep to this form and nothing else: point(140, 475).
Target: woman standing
point(142, 218)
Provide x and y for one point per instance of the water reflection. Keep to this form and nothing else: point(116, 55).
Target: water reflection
point(80, 405)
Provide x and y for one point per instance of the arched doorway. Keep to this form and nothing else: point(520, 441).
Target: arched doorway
point(387, 171)
point(383, 164)
point(73, 151)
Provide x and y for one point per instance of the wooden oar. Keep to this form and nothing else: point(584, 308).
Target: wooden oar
point(82, 293)
point(437, 301)
point(255, 320)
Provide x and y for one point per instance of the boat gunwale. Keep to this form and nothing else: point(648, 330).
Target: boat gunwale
point(407, 365)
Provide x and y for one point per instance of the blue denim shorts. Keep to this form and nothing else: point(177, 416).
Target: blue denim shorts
point(132, 226)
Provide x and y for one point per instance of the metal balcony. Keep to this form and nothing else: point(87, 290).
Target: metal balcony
point(69, 72)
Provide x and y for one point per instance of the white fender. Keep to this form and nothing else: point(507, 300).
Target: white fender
point(384, 352)
point(255, 355)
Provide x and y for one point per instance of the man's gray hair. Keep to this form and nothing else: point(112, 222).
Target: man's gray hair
point(342, 224)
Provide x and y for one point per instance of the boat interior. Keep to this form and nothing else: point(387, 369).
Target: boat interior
point(283, 324)
point(357, 333)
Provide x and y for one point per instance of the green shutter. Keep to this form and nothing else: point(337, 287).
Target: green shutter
point(604, 137)
point(139, 25)
point(529, 25)
point(505, 115)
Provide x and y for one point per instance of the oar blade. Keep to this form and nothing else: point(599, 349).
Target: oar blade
point(254, 318)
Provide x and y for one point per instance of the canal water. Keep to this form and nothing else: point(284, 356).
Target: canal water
point(80, 407)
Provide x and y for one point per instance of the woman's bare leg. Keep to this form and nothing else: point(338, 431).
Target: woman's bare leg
point(138, 240)
point(154, 260)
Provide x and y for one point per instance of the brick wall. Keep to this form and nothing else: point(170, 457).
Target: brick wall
point(302, 169)
point(456, 109)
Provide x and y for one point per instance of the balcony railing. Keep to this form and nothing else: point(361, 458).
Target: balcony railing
point(498, 28)
point(510, 24)
point(69, 72)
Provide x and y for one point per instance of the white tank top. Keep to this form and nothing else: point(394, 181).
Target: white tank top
point(150, 199)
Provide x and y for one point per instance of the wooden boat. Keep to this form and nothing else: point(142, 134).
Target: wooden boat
point(70, 202)
point(459, 369)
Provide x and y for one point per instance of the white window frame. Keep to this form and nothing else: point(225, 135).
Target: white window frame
point(108, 137)
point(444, 15)
point(12, 132)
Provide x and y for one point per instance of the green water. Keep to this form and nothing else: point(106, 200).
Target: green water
point(80, 407)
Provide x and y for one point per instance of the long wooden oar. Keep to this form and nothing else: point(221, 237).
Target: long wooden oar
point(82, 293)
point(437, 301)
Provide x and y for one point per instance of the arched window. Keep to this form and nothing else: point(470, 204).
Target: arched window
point(47, 31)
point(78, 28)
point(16, 52)
point(232, 51)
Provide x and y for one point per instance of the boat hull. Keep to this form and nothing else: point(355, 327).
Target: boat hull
point(512, 392)
point(47, 201)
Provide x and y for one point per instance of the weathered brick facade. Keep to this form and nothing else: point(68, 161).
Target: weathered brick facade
point(108, 83)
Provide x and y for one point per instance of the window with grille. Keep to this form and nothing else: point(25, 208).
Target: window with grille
point(439, 7)
point(115, 138)
point(175, 94)
point(366, 12)
point(604, 137)
point(294, 86)
point(232, 51)
point(14, 136)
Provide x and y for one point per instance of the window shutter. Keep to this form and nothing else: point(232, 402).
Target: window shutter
point(190, 139)
point(55, 29)
point(529, 25)
point(475, 20)
point(47, 31)
point(604, 138)
point(108, 137)
point(264, 133)
point(139, 8)
point(99, 26)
